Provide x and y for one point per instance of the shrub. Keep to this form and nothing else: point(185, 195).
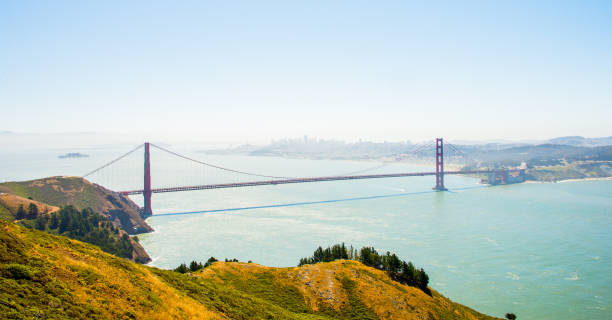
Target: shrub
point(17, 271)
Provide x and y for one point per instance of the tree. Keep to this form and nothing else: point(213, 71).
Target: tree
point(32, 211)
point(210, 261)
point(21, 213)
point(54, 221)
point(182, 268)
point(318, 255)
point(370, 257)
point(397, 269)
point(422, 279)
point(303, 261)
point(195, 266)
point(41, 223)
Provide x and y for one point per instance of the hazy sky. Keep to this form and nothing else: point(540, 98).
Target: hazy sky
point(237, 71)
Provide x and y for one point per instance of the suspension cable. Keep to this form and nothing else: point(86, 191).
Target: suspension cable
point(418, 149)
point(415, 150)
point(455, 148)
point(215, 166)
point(108, 164)
point(459, 151)
point(365, 170)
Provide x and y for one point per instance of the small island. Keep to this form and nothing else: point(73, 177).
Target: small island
point(73, 155)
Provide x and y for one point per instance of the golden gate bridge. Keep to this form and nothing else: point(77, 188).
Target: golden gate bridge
point(147, 191)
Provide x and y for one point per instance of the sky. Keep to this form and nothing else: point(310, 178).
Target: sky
point(252, 71)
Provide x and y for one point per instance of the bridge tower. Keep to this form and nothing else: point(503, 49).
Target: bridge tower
point(439, 165)
point(147, 182)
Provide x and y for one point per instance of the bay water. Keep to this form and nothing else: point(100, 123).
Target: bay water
point(539, 250)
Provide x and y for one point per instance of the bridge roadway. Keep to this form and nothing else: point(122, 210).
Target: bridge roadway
point(303, 180)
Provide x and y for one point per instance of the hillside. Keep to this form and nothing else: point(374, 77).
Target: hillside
point(342, 289)
point(544, 154)
point(582, 141)
point(76, 191)
point(48, 276)
point(9, 205)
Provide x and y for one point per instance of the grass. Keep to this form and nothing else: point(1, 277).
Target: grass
point(53, 277)
point(336, 290)
point(5, 213)
point(57, 191)
point(9, 204)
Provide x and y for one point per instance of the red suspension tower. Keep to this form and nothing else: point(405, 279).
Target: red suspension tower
point(439, 165)
point(147, 182)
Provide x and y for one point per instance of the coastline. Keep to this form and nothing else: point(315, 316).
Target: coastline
point(571, 180)
point(586, 179)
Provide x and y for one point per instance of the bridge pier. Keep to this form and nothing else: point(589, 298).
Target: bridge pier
point(147, 211)
point(439, 165)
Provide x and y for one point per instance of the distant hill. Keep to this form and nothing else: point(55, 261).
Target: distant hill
point(456, 151)
point(543, 154)
point(48, 276)
point(579, 141)
point(76, 191)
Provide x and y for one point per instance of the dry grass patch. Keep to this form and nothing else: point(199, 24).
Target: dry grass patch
point(12, 203)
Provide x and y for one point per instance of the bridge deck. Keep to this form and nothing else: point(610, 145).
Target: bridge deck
point(302, 180)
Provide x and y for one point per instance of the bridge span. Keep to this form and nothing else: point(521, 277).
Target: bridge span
point(304, 180)
point(494, 176)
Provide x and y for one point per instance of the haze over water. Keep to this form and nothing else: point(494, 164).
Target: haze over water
point(541, 250)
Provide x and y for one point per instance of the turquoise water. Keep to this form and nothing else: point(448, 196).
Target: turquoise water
point(542, 251)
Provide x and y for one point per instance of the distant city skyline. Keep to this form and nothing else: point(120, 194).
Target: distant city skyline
point(231, 73)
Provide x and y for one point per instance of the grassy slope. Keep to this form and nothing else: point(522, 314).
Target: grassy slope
point(341, 290)
point(58, 278)
point(55, 277)
point(56, 191)
point(6, 214)
point(9, 203)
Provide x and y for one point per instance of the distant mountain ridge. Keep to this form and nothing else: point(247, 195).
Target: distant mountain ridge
point(575, 147)
point(580, 141)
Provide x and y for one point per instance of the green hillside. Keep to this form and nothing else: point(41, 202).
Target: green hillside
point(53, 277)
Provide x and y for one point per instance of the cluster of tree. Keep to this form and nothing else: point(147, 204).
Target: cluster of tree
point(335, 252)
point(399, 270)
point(31, 213)
point(195, 266)
point(87, 226)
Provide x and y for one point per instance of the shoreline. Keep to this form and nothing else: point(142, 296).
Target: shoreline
point(571, 180)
